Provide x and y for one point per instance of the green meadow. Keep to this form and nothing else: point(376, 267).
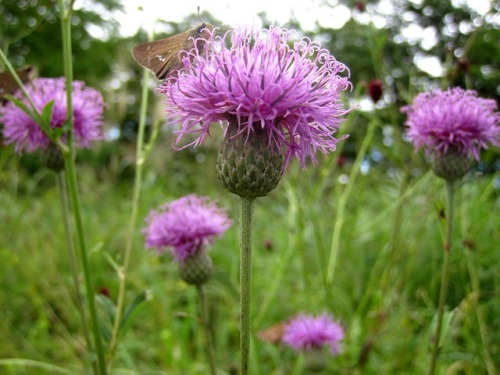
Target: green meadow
point(358, 236)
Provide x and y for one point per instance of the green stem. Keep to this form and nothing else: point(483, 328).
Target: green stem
point(483, 330)
point(123, 272)
point(476, 292)
point(205, 323)
point(69, 164)
point(282, 263)
point(63, 192)
point(450, 190)
point(385, 263)
point(246, 216)
point(80, 234)
point(395, 238)
point(346, 194)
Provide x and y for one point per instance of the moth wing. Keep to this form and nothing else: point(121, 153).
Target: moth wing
point(161, 56)
point(7, 83)
point(273, 334)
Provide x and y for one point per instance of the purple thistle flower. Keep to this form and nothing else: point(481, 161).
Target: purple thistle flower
point(186, 225)
point(261, 82)
point(21, 130)
point(456, 118)
point(306, 332)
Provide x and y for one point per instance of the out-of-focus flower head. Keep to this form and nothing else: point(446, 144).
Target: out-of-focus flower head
point(187, 225)
point(259, 80)
point(453, 120)
point(375, 89)
point(360, 6)
point(22, 131)
point(307, 332)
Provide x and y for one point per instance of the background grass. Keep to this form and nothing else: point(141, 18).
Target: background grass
point(386, 281)
point(384, 292)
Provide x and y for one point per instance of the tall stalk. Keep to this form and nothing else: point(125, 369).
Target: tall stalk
point(139, 163)
point(202, 297)
point(450, 191)
point(346, 194)
point(476, 290)
point(69, 164)
point(63, 192)
point(246, 224)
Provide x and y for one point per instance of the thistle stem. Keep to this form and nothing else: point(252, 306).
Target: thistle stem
point(450, 190)
point(205, 323)
point(69, 164)
point(122, 273)
point(72, 182)
point(346, 194)
point(246, 217)
point(483, 329)
point(476, 291)
point(61, 182)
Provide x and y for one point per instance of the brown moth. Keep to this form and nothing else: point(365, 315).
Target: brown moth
point(7, 83)
point(161, 56)
point(273, 334)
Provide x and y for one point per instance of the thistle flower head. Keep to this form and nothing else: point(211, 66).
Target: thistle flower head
point(21, 130)
point(259, 80)
point(306, 332)
point(186, 225)
point(456, 119)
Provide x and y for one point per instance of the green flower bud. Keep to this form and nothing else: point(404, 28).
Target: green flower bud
point(248, 164)
point(451, 166)
point(196, 269)
point(52, 158)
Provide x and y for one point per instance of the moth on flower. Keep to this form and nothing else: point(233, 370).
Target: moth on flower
point(261, 80)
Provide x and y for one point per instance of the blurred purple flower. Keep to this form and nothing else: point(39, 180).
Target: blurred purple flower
point(187, 225)
point(456, 118)
point(307, 332)
point(260, 81)
point(21, 129)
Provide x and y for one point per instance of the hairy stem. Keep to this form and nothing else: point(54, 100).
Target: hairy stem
point(246, 218)
point(202, 296)
point(123, 272)
point(69, 164)
point(450, 190)
point(61, 182)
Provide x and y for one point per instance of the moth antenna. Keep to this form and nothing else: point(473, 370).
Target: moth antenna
point(199, 15)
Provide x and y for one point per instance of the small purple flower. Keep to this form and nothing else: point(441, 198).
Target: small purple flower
point(261, 81)
point(21, 130)
point(187, 225)
point(306, 332)
point(456, 118)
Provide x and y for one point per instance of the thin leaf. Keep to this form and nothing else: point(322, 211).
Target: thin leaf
point(108, 305)
point(28, 363)
point(46, 115)
point(132, 309)
point(19, 103)
point(112, 262)
point(110, 309)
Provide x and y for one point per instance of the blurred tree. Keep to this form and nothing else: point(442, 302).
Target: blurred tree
point(391, 39)
point(30, 35)
point(398, 35)
point(384, 39)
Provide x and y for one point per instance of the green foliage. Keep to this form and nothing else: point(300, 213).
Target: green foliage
point(385, 289)
point(386, 285)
